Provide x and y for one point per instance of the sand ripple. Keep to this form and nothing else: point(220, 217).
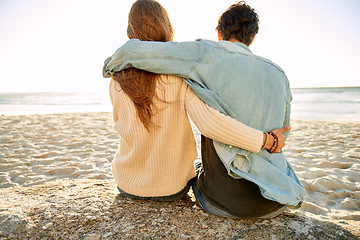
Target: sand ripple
point(326, 157)
point(39, 148)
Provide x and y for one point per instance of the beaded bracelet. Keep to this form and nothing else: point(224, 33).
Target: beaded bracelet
point(275, 144)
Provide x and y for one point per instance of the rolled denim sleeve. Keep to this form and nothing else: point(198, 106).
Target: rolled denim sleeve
point(159, 57)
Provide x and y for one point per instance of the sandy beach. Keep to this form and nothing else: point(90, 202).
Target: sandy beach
point(56, 183)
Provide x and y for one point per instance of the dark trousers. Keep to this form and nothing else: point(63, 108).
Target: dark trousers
point(222, 195)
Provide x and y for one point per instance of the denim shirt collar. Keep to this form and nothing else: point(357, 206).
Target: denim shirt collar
point(240, 44)
point(243, 46)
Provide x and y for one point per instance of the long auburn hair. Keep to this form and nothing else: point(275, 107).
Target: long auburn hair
point(147, 21)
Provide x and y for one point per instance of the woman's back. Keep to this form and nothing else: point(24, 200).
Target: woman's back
point(157, 162)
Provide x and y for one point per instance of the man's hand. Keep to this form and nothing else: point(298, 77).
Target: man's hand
point(280, 136)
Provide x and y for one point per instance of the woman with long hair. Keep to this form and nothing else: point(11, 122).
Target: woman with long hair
point(157, 145)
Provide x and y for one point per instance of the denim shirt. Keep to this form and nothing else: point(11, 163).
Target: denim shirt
point(231, 79)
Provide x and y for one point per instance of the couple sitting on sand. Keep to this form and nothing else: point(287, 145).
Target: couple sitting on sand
point(240, 103)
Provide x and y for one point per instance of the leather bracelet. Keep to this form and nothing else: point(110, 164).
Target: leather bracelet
point(275, 144)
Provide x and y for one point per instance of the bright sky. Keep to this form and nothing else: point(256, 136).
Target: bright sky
point(60, 45)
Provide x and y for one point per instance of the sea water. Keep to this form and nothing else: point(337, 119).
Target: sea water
point(50, 102)
point(329, 104)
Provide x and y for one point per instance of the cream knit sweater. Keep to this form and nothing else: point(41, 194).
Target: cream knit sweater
point(160, 162)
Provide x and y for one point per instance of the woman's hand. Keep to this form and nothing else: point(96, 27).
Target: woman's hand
point(280, 138)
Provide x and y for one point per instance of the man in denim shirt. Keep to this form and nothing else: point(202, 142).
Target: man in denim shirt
point(232, 182)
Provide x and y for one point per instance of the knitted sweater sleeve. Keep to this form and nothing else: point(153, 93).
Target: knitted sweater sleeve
point(217, 126)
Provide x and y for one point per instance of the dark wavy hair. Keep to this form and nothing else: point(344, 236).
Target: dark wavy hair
point(239, 21)
point(148, 21)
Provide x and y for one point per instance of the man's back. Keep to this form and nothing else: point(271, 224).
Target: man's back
point(254, 88)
